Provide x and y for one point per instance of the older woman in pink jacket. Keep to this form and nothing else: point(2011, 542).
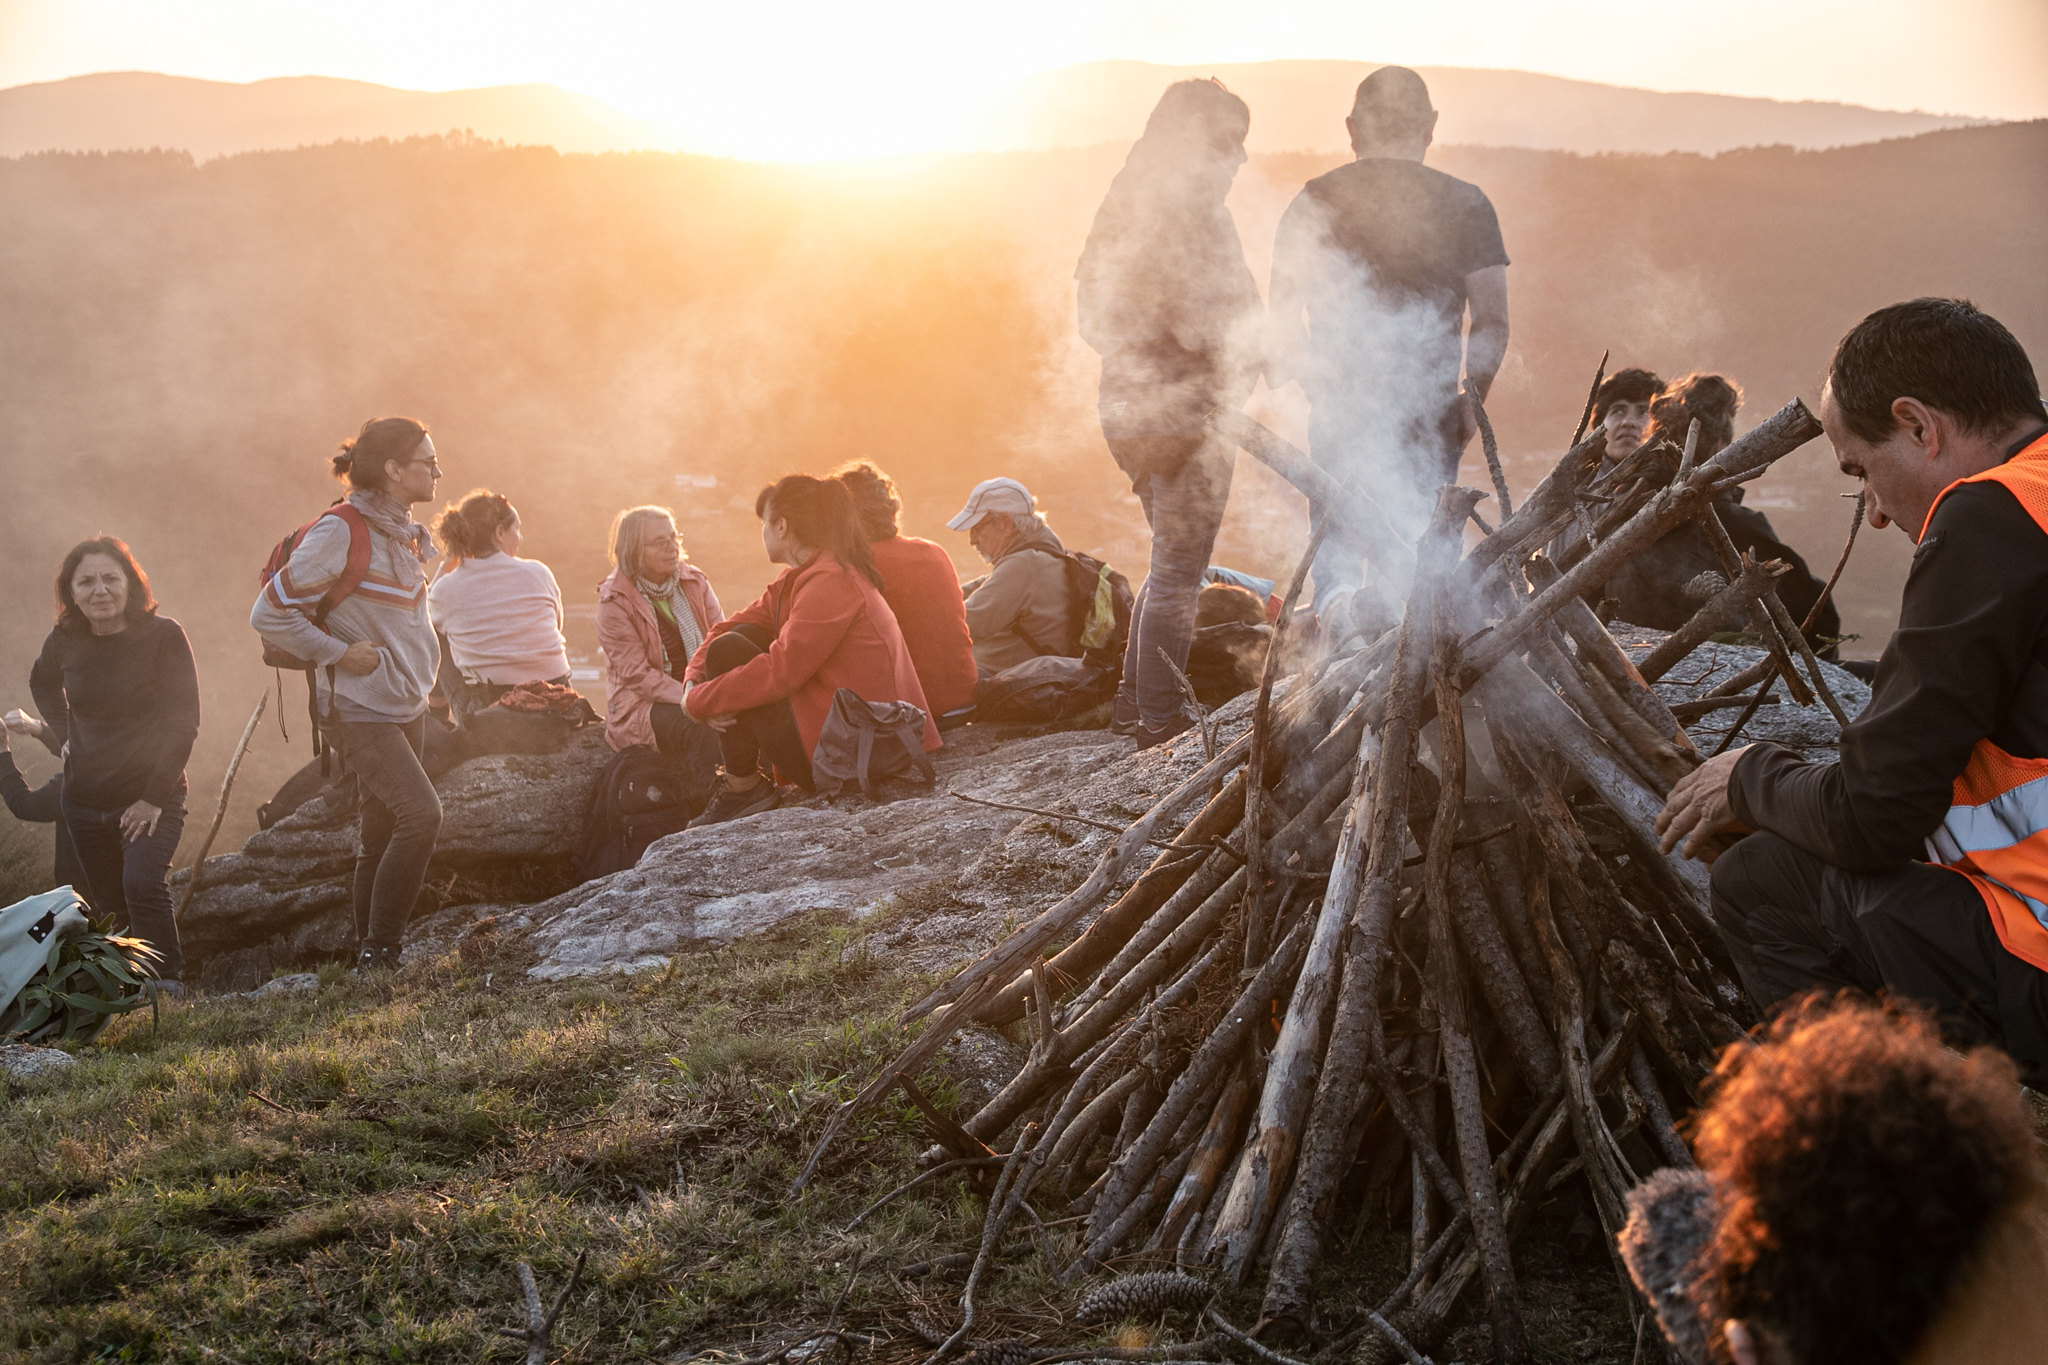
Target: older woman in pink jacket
point(652, 613)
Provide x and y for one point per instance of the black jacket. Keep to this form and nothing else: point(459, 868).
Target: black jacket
point(128, 704)
point(1969, 661)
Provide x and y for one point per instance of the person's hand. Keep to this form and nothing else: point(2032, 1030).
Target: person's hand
point(722, 721)
point(22, 723)
point(139, 820)
point(361, 659)
point(1698, 819)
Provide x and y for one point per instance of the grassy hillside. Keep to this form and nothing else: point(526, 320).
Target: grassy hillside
point(352, 1175)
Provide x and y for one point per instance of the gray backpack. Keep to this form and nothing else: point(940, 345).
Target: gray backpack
point(864, 740)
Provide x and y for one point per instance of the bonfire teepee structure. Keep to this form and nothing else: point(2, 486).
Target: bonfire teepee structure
point(1417, 928)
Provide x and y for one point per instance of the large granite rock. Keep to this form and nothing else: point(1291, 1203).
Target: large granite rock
point(510, 824)
point(933, 878)
point(1809, 729)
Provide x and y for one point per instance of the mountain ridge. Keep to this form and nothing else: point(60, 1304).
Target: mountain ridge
point(1298, 106)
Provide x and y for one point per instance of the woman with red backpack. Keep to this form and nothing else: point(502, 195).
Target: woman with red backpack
point(766, 677)
point(374, 657)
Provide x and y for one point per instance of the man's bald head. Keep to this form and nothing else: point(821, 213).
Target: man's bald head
point(1392, 106)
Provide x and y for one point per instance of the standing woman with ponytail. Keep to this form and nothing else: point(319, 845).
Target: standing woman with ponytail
point(377, 656)
point(766, 676)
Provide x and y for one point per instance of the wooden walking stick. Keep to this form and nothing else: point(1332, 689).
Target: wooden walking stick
point(227, 784)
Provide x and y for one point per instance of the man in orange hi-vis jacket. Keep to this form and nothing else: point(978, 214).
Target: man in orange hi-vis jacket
point(1918, 865)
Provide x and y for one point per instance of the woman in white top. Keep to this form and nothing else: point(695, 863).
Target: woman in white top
point(501, 615)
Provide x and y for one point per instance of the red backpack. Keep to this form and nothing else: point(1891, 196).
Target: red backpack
point(353, 569)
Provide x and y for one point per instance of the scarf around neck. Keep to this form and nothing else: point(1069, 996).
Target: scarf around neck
point(672, 609)
point(394, 519)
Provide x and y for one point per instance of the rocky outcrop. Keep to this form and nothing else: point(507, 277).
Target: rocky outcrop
point(1809, 729)
point(933, 878)
point(510, 826)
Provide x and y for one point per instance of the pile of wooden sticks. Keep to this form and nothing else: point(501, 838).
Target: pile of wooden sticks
point(1415, 945)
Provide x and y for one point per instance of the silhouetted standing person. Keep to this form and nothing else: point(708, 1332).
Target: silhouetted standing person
point(1375, 266)
point(1166, 299)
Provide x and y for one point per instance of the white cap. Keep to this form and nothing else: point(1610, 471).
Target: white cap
point(993, 495)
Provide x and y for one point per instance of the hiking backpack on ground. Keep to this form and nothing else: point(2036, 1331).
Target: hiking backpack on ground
point(642, 795)
point(865, 740)
point(353, 570)
point(1048, 688)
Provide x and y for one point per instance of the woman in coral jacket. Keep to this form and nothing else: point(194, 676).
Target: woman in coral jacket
point(766, 677)
point(652, 615)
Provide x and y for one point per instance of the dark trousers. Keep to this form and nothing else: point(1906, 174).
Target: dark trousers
point(1795, 923)
point(1184, 508)
point(764, 732)
point(400, 817)
point(133, 874)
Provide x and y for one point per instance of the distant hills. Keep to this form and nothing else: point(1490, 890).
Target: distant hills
point(139, 110)
point(1297, 106)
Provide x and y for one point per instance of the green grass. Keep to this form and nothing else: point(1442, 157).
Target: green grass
point(352, 1174)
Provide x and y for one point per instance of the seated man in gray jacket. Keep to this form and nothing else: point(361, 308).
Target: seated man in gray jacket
point(1020, 609)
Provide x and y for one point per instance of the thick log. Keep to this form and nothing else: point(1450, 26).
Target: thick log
point(1291, 1071)
point(1781, 632)
point(1475, 1160)
point(1716, 614)
point(1791, 427)
point(1356, 1039)
point(1507, 994)
point(1598, 648)
point(1257, 803)
point(1212, 1156)
point(1113, 927)
point(1217, 1050)
point(1517, 702)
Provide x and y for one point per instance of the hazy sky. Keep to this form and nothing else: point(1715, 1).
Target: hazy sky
point(768, 78)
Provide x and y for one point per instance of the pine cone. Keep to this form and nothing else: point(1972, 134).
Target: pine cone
point(1144, 1296)
point(1703, 585)
point(1011, 1352)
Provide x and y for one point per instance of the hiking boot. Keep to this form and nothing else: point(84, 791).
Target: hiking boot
point(1152, 736)
point(730, 803)
point(375, 958)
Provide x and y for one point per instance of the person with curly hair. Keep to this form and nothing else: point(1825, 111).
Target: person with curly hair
point(1663, 587)
point(1864, 1195)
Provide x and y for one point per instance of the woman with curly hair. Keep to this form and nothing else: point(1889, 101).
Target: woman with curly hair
point(1865, 1196)
point(119, 693)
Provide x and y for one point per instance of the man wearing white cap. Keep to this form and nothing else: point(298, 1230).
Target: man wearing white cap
point(1020, 609)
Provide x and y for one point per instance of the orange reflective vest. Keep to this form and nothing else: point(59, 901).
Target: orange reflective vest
point(1996, 829)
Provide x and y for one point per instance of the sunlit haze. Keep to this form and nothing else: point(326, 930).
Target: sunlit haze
point(814, 80)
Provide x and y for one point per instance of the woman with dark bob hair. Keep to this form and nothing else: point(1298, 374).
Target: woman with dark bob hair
point(118, 690)
point(376, 657)
point(766, 675)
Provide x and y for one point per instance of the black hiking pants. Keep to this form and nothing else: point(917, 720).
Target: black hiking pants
point(1794, 923)
point(763, 732)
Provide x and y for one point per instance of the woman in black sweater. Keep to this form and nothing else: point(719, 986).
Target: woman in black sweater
point(116, 685)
